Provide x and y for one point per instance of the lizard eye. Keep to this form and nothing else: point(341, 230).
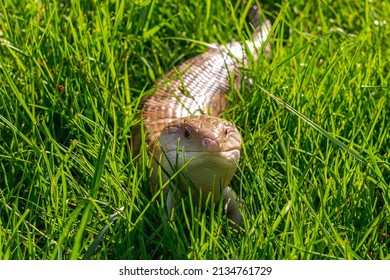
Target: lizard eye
point(187, 133)
point(226, 133)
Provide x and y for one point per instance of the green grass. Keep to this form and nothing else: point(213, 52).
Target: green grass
point(314, 175)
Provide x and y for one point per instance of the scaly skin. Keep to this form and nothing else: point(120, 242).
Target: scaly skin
point(183, 128)
point(209, 148)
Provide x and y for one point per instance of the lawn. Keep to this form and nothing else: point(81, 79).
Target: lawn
point(314, 174)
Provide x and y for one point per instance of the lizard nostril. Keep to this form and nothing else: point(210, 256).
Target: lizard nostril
point(206, 142)
point(211, 145)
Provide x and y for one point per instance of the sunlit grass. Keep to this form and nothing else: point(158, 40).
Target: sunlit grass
point(314, 175)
